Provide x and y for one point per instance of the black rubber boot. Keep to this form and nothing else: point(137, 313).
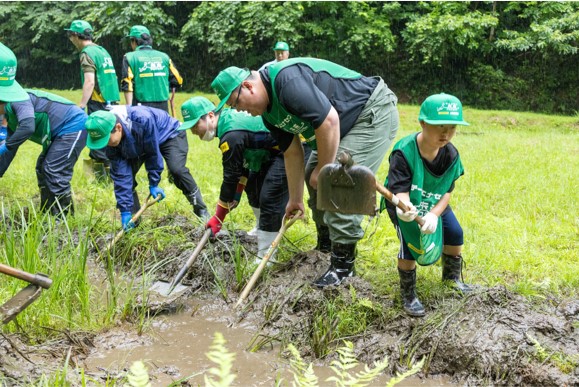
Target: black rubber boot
point(412, 305)
point(136, 207)
point(63, 205)
point(46, 199)
point(452, 271)
point(102, 172)
point(341, 265)
point(324, 243)
point(199, 207)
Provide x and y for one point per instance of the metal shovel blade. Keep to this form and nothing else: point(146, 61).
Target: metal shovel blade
point(19, 302)
point(164, 288)
point(346, 188)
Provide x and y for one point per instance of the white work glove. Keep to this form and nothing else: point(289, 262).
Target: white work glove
point(430, 223)
point(409, 215)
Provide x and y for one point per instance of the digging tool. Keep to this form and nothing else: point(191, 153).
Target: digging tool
point(172, 103)
point(148, 203)
point(351, 189)
point(165, 288)
point(270, 251)
point(25, 296)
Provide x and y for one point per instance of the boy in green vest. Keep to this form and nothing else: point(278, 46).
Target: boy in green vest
point(335, 109)
point(148, 75)
point(100, 85)
point(422, 172)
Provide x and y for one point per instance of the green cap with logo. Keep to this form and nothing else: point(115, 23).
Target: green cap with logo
point(99, 126)
point(281, 46)
point(80, 27)
point(227, 81)
point(10, 90)
point(137, 31)
point(193, 109)
point(442, 109)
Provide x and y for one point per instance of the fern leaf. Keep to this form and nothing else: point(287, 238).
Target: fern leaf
point(400, 377)
point(138, 375)
point(224, 359)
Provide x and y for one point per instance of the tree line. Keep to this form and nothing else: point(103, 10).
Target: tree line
point(492, 55)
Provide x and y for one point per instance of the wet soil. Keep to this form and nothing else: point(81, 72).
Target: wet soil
point(492, 336)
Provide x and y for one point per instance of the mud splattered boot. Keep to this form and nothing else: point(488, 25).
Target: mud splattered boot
point(264, 241)
point(63, 205)
point(199, 207)
point(411, 303)
point(342, 259)
point(256, 213)
point(452, 271)
point(324, 243)
point(46, 199)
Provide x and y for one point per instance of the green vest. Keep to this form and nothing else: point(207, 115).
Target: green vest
point(279, 117)
point(229, 120)
point(425, 192)
point(151, 74)
point(41, 133)
point(105, 72)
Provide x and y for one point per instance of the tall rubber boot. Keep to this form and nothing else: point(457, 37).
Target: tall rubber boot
point(452, 271)
point(63, 205)
point(324, 244)
point(46, 199)
point(199, 207)
point(256, 212)
point(136, 206)
point(100, 172)
point(411, 303)
point(264, 241)
point(342, 259)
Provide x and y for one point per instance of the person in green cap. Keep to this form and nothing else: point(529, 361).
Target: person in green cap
point(281, 52)
point(46, 119)
point(251, 161)
point(335, 109)
point(100, 85)
point(148, 75)
point(423, 169)
point(137, 135)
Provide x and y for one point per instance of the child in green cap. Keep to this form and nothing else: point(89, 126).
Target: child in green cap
point(423, 169)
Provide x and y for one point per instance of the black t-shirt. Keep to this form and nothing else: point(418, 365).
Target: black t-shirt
point(237, 142)
point(309, 95)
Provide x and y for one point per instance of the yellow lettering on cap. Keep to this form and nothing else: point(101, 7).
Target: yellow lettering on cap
point(224, 147)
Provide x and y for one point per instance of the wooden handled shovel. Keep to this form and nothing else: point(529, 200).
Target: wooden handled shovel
point(394, 200)
point(25, 296)
point(148, 203)
point(270, 251)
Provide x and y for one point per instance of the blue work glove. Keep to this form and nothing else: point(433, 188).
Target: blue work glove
point(3, 149)
point(156, 191)
point(128, 224)
point(3, 133)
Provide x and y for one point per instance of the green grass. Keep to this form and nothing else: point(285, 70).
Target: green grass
point(517, 204)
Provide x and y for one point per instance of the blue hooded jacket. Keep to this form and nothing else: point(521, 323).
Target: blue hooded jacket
point(144, 130)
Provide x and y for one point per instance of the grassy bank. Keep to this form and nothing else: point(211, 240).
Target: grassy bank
point(516, 203)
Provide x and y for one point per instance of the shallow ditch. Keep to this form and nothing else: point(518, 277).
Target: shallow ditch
point(490, 337)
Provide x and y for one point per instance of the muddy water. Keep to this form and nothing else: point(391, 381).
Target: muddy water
point(174, 347)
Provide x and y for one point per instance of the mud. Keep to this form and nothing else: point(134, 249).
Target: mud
point(490, 337)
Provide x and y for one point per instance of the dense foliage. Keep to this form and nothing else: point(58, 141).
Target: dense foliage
point(503, 55)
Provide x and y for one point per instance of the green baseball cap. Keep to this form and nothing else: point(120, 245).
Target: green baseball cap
point(137, 31)
point(227, 81)
point(99, 126)
point(10, 90)
point(80, 27)
point(442, 109)
point(281, 46)
point(193, 109)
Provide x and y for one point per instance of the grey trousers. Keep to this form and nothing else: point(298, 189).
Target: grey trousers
point(367, 142)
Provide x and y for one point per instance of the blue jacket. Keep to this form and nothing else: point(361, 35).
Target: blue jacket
point(144, 130)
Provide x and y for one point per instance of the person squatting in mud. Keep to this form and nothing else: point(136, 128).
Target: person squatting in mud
point(335, 109)
point(134, 135)
point(252, 162)
point(46, 119)
point(423, 169)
